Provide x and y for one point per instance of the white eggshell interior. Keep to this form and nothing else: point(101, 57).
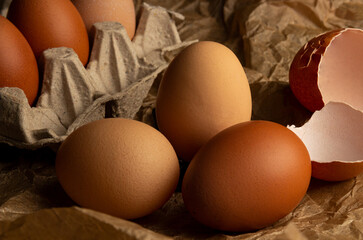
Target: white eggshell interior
point(335, 133)
point(340, 70)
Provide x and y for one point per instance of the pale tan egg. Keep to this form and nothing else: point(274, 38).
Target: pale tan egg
point(122, 167)
point(203, 91)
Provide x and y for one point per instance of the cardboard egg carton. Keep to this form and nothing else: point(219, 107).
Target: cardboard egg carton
point(115, 82)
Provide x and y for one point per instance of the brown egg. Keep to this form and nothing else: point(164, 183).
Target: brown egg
point(118, 166)
point(247, 177)
point(48, 24)
point(18, 67)
point(203, 91)
point(122, 11)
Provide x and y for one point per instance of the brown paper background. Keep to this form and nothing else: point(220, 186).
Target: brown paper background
point(265, 35)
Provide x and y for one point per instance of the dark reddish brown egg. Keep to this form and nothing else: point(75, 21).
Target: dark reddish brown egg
point(18, 67)
point(247, 177)
point(49, 24)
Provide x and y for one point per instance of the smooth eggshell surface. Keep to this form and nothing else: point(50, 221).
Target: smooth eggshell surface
point(203, 91)
point(49, 24)
point(336, 171)
point(18, 66)
point(121, 167)
point(122, 11)
point(247, 177)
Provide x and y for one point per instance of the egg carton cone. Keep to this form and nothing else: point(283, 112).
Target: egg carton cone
point(115, 82)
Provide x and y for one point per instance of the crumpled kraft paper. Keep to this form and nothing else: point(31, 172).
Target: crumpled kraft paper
point(265, 35)
point(32, 200)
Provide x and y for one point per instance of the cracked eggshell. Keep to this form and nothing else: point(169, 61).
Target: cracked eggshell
point(334, 139)
point(328, 68)
point(49, 24)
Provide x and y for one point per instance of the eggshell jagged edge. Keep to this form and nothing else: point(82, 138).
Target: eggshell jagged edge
point(315, 85)
point(334, 139)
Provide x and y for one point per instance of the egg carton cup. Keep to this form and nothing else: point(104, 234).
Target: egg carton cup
point(115, 82)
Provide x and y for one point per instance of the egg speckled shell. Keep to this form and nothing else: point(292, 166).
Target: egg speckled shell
point(121, 167)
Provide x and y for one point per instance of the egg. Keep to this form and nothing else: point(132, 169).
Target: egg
point(247, 177)
point(122, 11)
point(49, 24)
point(121, 167)
point(203, 91)
point(18, 66)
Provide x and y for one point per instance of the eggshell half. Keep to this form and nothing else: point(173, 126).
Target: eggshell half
point(121, 167)
point(247, 177)
point(334, 139)
point(203, 91)
point(328, 68)
point(336, 170)
point(49, 24)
